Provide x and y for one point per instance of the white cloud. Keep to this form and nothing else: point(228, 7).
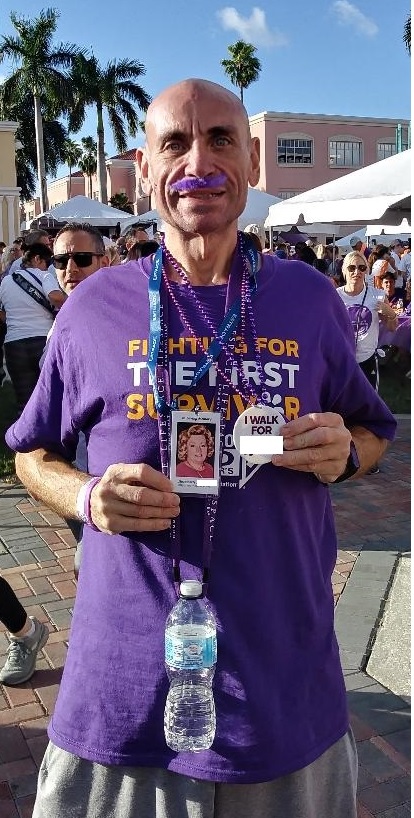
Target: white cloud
point(253, 29)
point(349, 15)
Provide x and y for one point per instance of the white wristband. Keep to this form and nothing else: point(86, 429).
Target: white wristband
point(83, 501)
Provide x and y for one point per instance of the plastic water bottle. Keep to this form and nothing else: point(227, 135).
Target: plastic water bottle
point(190, 660)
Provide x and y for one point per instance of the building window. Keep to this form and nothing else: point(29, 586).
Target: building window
point(345, 154)
point(294, 151)
point(385, 149)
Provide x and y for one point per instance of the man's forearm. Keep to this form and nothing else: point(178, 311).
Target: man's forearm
point(370, 448)
point(51, 479)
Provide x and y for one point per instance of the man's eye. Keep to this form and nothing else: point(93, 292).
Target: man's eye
point(222, 141)
point(174, 147)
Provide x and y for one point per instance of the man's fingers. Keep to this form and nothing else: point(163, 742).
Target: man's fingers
point(120, 523)
point(139, 496)
point(308, 459)
point(140, 473)
point(127, 508)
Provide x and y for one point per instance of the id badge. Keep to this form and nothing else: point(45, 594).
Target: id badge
point(195, 453)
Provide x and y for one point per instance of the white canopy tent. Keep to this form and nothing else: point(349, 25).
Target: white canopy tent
point(84, 209)
point(379, 192)
point(143, 218)
point(382, 234)
point(257, 207)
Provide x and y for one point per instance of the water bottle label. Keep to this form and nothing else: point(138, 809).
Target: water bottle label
point(189, 647)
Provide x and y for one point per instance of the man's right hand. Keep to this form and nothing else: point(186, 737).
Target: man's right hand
point(133, 497)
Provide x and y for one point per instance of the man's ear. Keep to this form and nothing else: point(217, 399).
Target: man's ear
point(254, 161)
point(143, 167)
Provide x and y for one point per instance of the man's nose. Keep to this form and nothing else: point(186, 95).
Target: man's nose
point(200, 160)
point(71, 264)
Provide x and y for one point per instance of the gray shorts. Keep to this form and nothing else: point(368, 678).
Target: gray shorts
point(70, 787)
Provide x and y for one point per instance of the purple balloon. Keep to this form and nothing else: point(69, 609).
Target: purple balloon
point(198, 183)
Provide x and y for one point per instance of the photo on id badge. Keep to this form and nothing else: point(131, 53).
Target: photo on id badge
point(195, 452)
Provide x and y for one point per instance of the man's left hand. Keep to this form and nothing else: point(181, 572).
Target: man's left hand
point(318, 443)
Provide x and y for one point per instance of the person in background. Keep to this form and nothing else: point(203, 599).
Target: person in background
point(379, 262)
point(396, 250)
point(281, 250)
point(33, 237)
point(2, 246)
point(358, 245)
point(9, 255)
point(256, 241)
point(141, 249)
point(113, 255)
point(26, 634)
point(386, 281)
point(366, 308)
point(304, 253)
point(133, 235)
point(283, 744)
point(26, 298)
point(405, 262)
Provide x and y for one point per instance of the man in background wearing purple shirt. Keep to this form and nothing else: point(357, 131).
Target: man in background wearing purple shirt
point(283, 745)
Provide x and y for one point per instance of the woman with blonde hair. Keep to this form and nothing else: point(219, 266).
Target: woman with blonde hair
point(195, 445)
point(366, 308)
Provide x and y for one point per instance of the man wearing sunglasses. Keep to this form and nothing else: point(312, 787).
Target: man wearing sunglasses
point(79, 251)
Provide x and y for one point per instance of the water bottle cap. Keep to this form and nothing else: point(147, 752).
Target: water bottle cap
point(191, 589)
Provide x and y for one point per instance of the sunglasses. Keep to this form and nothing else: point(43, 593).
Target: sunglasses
point(361, 268)
point(81, 259)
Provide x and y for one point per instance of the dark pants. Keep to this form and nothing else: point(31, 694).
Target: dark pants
point(76, 528)
point(22, 361)
point(3, 330)
point(12, 613)
point(370, 370)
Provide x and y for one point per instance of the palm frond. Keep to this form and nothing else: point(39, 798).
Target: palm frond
point(118, 130)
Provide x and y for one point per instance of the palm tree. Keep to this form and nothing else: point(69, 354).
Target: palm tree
point(121, 202)
point(40, 71)
point(243, 68)
point(73, 153)
point(407, 34)
point(21, 110)
point(114, 89)
point(88, 162)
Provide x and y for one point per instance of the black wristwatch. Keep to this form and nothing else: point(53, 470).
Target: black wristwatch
point(352, 464)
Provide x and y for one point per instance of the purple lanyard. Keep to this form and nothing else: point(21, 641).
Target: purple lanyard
point(164, 426)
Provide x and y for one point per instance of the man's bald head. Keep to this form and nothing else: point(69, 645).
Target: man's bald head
point(193, 89)
point(198, 137)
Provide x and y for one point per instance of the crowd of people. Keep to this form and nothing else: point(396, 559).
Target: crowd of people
point(92, 442)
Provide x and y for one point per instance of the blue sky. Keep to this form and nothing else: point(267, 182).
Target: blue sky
point(318, 56)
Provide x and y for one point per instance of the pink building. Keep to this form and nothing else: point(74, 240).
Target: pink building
point(298, 152)
point(301, 151)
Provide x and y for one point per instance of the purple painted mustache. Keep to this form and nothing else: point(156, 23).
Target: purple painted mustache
point(197, 182)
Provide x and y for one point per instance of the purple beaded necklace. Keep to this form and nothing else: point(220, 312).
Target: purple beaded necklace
point(250, 394)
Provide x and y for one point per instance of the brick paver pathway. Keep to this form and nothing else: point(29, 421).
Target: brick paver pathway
point(36, 557)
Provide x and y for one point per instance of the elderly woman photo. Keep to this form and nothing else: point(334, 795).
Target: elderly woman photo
point(195, 445)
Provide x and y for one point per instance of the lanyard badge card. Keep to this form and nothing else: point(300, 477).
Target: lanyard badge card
point(195, 452)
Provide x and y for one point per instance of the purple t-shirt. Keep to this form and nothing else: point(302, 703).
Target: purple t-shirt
point(278, 686)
